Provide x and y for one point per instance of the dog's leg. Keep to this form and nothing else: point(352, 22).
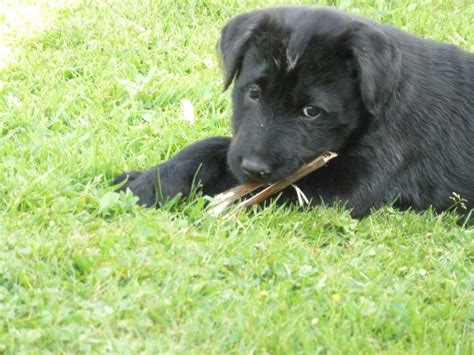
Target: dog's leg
point(336, 184)
point(201, 164)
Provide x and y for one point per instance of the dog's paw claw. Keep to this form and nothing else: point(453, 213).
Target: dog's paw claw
point(129, 176)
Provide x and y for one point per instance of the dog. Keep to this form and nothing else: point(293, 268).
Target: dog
point(397, 109)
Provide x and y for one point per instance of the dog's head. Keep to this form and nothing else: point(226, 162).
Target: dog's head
point(305, 81)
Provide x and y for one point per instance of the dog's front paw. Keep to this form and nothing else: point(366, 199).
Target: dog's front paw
point(141, 184)
point(156, 185)
point(127, 177)
point(202, 164)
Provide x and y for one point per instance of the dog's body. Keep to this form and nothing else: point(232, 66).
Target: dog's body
point(398, 110)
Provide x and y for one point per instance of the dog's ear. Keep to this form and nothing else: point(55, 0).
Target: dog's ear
point(378, 63)
point(234, 42)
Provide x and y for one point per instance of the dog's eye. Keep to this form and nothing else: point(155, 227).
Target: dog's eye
point(311, 112)
point(254, 92)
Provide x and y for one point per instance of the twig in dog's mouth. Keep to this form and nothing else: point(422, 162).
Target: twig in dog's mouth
point(226, 198)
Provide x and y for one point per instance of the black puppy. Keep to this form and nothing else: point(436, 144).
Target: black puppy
point(398, 110)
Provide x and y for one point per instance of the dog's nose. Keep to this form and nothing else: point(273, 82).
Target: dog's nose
point(255, 167)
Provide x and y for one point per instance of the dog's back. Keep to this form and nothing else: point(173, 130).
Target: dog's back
point(429, 124)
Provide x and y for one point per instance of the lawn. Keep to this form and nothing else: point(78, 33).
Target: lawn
point(91, 88)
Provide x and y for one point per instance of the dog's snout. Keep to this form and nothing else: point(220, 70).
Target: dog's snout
point(255, 167)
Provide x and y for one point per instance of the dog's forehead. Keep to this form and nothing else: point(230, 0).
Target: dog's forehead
point(272, 63)
point(290, 30)
point(269, 52)
point(311, 21)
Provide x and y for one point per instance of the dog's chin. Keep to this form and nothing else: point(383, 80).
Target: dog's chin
point(264, 180)
point(268, 179)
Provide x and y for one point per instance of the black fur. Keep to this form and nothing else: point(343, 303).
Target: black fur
point(399, 111)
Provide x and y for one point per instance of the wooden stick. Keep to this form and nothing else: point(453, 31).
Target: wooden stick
point(223, 200)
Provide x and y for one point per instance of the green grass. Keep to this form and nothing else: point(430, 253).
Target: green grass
point(82, 271)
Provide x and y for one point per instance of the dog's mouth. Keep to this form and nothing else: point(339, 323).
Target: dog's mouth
point(278, 172)
point(260, 192)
